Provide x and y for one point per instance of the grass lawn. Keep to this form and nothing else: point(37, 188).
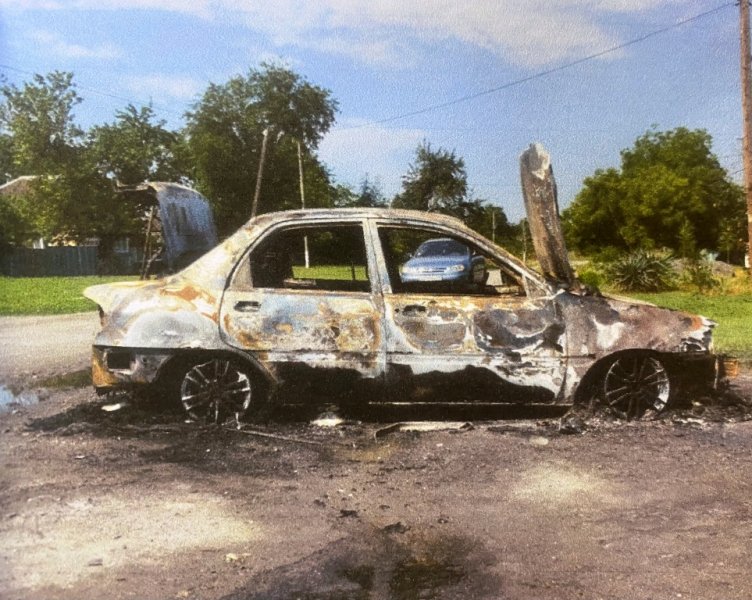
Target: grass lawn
point(341, 273)
point(733, 313)
point(48, 295)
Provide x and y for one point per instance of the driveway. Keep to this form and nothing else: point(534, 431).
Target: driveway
point(43, 345)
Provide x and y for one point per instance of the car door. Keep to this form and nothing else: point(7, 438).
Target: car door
point(302, 302)
point(455, 340)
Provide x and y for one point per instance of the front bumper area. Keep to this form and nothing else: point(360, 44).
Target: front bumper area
point(114, 367)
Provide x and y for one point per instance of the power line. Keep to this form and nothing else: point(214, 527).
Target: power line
point(99, 92)
point(547, 72)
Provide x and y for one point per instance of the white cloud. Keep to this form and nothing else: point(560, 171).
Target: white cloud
point(158, 85)
point(197, 7)
point(354, 149)
point(57, 46)
point(529, 33)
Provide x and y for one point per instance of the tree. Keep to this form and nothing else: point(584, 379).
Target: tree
point(225, 130)
point(436, 181)
point(68, 199)
point(369, 195)
point(6, 158)
point(39, 118)
point(136, 148)
point(670, 192)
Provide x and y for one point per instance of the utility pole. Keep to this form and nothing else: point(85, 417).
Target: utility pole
point(746, 59)
point(493, 224)
point(302, 204)
point(260, 173)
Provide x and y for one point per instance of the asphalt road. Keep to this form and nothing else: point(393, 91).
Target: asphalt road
point(43, 345)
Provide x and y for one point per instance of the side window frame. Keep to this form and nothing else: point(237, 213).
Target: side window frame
point(392, 270)
point(242, 278)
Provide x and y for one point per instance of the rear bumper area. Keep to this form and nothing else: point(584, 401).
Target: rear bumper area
point(119, 368)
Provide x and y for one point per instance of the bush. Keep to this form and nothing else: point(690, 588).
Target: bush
point(642, 271)
point(591, 277)
point(699, 274)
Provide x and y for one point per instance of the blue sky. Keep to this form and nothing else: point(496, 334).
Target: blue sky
point(386, 58)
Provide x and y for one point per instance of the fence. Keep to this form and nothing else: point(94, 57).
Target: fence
point(59, 261)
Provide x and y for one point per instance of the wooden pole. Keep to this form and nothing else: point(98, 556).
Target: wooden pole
point(259, 174)
point(747, 118)
point(302, 204)
point(147, 244)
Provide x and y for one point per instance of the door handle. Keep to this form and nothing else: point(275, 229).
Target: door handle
point(247, 306)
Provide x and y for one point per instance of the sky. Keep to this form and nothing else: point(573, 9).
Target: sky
point(484, 79)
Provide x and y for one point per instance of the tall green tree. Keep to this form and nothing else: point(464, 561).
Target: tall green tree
point(225, 129)
point(369, 195)
point(670, 192)
point(69, 198)
point(137, 147)
point(39, 118)
point(6, 158)
point(436, 181)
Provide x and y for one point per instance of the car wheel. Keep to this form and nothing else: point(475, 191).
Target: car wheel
point(216, 391)
point(636, 383)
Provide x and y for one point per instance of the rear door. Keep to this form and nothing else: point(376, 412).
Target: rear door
point(302, 302)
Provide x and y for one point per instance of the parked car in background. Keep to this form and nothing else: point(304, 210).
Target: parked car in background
point(304, 305)
point(444, 259)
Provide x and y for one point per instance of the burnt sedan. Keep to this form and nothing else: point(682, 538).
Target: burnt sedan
point(296, 306)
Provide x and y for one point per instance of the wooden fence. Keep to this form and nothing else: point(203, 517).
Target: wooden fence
point(58, 261)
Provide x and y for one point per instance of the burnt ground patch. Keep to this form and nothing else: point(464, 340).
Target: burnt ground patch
point(375, 563)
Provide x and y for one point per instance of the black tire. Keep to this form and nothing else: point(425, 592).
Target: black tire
point(216, 390)
point(633, 384)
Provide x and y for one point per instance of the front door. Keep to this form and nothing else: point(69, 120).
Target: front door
point(452, 337)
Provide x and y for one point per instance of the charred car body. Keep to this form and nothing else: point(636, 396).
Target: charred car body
point(300, 304)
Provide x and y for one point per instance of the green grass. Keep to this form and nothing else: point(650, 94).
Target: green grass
point(48, 295)
point(733, 313)
point(336, 272)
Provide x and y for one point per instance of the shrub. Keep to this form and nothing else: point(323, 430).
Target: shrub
point(699, 274)
point(642, 271)
point(591, 277)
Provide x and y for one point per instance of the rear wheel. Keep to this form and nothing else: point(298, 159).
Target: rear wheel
point(636, 383)
point(217, 390)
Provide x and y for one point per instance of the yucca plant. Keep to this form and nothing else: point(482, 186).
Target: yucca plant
point(642, 271)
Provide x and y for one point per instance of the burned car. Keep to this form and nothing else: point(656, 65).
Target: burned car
point(312, 304)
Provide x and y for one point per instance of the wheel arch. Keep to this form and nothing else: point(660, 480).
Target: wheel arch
point(170, 372)
point(587, 386)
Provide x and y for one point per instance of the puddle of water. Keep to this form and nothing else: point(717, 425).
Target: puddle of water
point(9, 398)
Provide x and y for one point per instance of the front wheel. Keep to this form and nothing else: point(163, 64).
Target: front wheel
point(636, 383)
point(216, 391)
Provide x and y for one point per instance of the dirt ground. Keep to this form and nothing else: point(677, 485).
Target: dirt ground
point(137, 503)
